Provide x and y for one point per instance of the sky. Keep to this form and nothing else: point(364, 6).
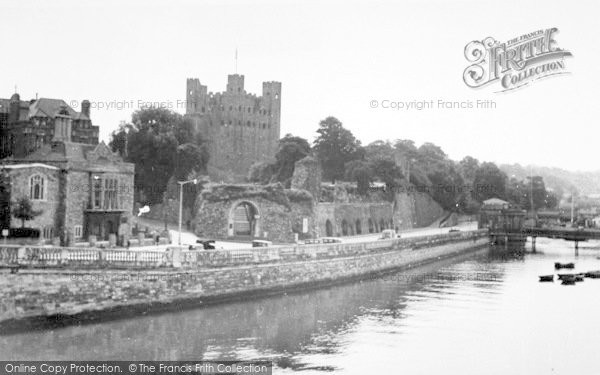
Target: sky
point(334, 58)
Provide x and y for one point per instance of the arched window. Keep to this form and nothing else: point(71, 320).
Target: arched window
point(358, 227)
point(36, 187)
point(371, 226)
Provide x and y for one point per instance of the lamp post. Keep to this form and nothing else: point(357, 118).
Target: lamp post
point(181, 183)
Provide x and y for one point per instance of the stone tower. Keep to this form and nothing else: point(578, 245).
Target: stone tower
point(241, 128)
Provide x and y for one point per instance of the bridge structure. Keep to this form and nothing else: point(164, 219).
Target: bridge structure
point(570, 234)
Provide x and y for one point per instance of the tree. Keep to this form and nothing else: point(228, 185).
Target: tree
point(291, 149)
point(361, 172)
point(190, 157)
point(468, 168)
point(387, 171)
point(23, 210)
point(489, 182)
point(162, 144)
point(335, 146)
point(261, 173)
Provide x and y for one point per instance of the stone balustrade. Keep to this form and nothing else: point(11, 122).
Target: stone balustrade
point(27, 256)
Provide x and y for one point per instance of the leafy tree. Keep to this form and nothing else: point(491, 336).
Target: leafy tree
point(261, 173)
point(190, 157)
point(361, 172)
point(23, 210)
point(162, 144)
point(335, 146)
point(489, 182)
point(468, 168)
point(387, 171)
point(291, 149)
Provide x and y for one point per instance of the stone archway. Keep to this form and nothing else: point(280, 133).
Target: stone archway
point(344, 227)
point(371, 226)
point(244, 220)
point(328, 228)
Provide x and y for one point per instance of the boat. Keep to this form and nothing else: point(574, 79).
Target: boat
point(593, 274)
point(559, 265)
point(579, 278)
point(569, 281)
point(547, 278)
point(565, 276)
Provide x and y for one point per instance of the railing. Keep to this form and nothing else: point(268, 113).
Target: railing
point(174, 256)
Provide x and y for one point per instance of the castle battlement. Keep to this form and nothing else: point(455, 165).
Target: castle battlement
point(241, 128)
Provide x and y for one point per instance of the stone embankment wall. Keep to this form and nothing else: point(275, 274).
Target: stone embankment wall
point(177, 278)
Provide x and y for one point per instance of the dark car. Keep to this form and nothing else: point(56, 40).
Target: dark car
point(206, 243)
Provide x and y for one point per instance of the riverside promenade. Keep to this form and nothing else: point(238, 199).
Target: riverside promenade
point(57, 286)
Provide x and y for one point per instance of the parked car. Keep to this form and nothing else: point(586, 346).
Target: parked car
point(388, 234)
point(312, 241)
point(206, 243)
point(331, 240)
point(453, 230)
point(261, 243)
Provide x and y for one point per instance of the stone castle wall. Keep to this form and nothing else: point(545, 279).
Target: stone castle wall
point(240, 128)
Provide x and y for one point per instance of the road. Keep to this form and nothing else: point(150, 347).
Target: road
point(189, 238)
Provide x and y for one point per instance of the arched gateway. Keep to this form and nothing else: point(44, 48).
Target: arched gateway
point(244, 220)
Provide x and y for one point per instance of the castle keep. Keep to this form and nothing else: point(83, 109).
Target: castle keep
point(241, 128)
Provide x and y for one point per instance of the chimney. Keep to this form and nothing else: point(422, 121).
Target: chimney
point(62, 126)
point(85, 108)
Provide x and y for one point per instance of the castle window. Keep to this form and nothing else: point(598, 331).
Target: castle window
point(239, 89)
point(97, 192)
point(203, 110)
point(249, 109)
point(248, 124)
point(240, 109)
point(264, 126)
point(36, 188)
point(229, 122)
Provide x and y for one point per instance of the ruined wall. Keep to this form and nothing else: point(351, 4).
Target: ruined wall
point(348, 219)
point(280, 212)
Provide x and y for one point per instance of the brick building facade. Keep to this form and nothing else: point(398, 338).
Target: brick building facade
point(241, 128)
point(81, 189)
point(25, 126)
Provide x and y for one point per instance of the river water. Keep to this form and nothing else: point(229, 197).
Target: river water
point(484, 313)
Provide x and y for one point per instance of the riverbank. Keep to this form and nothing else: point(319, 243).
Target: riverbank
point(76, 293)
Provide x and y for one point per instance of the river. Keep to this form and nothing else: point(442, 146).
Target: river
point(483, 313)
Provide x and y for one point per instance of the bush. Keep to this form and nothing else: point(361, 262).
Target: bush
point(23, 233)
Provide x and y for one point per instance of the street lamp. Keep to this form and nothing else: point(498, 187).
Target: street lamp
point(181, 183)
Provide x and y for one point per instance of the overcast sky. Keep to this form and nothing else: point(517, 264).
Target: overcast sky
point(333, 58)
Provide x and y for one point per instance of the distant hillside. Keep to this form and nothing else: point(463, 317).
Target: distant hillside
point(559, 180)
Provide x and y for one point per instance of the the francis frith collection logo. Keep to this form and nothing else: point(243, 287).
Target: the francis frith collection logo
point(514, 63)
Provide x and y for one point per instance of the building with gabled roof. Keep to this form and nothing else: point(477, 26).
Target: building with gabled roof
point(80, 189)
point(25, 126)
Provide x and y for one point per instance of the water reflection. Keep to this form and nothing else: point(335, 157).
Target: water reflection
point(462, 311)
